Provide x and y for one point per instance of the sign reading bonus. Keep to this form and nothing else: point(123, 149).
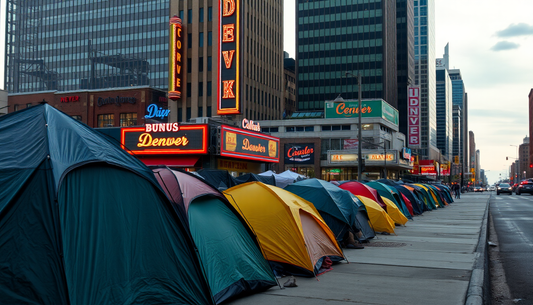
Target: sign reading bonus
point(243, 144)
point(168, 138)
point(229, 57)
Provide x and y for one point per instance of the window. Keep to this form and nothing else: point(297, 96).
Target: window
point(201, 41)
point(209, 63)
point(210, 13)
point(189, 89)
point(16, 107)
point(200, 64)
point(201, 14)
point(209, 88)
point(106, 120)
point(28, 105)
point(189, 16)
point(209, 38)
point(289, 129)
point(200, 111)
point(128, 119)
point(201, 89)
point(76, 117)
point(188, 113)
point(189, 40)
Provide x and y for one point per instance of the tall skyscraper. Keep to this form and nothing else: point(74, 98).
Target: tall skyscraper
point(457, 168)
point(355, 36)
point(73, 45)
point(425, 75)
point(460, 99)
point(406, 56)
point(444, 113)
point(255, 30)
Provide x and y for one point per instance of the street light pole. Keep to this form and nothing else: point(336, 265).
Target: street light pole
point(359, 137)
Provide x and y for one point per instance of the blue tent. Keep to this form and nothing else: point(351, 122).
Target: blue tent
point(392, 194)
point(340, 209)
point(84, 222)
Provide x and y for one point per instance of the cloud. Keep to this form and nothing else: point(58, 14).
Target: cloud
point(504, 45)
point(520, 29)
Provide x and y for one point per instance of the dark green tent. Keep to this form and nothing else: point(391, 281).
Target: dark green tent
point(229, 252)
point(84, 222)
point(341, 210)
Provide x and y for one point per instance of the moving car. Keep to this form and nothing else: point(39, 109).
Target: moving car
point(478, 189)
point(492, 188)
point(525, 186)
point(504, 188)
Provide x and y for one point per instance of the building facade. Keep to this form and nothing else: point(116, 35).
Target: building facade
point(3, 102)
point(258, 56)
point(134, 106)
point(353, 36)
point(523, 156)
point(471, 157)
point(289, 86)
point(74, 45)
point(444, 114)
point(424, 11)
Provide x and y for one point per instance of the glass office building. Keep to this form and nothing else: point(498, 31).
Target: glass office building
point(80, 44)
point(334, 37)
point(444, 113)
point(425, 74)
point(406, 56)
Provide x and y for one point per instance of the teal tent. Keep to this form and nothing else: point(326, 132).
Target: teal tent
point(341, 210)
point(392, 194)
point(84, 222)
point(229, 252)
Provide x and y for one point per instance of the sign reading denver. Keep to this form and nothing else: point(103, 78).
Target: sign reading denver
point(155, 139)
point(243, 144)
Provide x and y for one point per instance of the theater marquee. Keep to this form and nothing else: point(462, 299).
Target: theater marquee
point(243, 144)
point(229, 57)
point(168, 138)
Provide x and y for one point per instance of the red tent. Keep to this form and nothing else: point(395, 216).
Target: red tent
point(408, 204)
point(357, 188)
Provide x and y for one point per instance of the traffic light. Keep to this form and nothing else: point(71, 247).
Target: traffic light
point(530, 165)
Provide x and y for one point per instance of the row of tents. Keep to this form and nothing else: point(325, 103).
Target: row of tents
point(84, 222)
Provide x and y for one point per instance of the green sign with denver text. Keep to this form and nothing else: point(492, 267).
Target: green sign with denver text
point(369, 109)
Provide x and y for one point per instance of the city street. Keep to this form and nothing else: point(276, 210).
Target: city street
point(512, 217)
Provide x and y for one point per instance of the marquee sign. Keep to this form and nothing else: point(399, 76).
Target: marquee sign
point(243, 144)
point(229, 41)
point(300, 153)
point(167, 138)
point(175, 62)
point(413, 116)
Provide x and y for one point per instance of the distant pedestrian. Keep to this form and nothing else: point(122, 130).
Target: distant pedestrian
point(457, 190)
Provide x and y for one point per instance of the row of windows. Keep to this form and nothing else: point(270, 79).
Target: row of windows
point(338, 89)
point(306, 5)
point(340, 60)
point(347, 15)
point(108, 120)
point(341, 31)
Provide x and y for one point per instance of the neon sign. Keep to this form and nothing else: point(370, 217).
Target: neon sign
point(154, 111)
point(175, 62)
point(413, 117)
point(68, 99)
point(250, 125)
point(229, 57)
point(168, 138)
point(238, 143)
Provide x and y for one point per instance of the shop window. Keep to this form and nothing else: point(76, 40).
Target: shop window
point(345, 127)
point(309, 128)
point(106, 120)
point(289, 129)
point(128, 119)
point(299, 128)
point(326, 128)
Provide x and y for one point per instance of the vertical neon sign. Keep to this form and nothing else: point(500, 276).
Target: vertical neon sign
point(228, 57)
point(175, 62)
point(413, 110)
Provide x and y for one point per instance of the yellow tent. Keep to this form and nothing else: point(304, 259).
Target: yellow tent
point(290, 230)
point(395, 213)
point(379, 219)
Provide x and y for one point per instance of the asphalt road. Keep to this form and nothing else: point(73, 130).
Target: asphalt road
point(513, 222)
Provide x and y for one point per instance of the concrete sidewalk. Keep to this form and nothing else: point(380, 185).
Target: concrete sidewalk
point(430, 261)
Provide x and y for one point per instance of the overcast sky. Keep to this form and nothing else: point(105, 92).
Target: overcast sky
point(492, 43)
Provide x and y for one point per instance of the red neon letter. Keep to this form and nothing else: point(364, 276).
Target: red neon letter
point(228, 57)
point(229, 8)
point(228, 30)
point(228, 89)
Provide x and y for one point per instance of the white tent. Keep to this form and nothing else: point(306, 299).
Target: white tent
point(285, 178)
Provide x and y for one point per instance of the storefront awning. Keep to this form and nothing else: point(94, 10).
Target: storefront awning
point(170, 161)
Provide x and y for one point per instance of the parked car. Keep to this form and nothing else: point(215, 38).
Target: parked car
point(525, 186)
point(504, 188)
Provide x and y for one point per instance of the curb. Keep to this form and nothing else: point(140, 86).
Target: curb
point(479, 287)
